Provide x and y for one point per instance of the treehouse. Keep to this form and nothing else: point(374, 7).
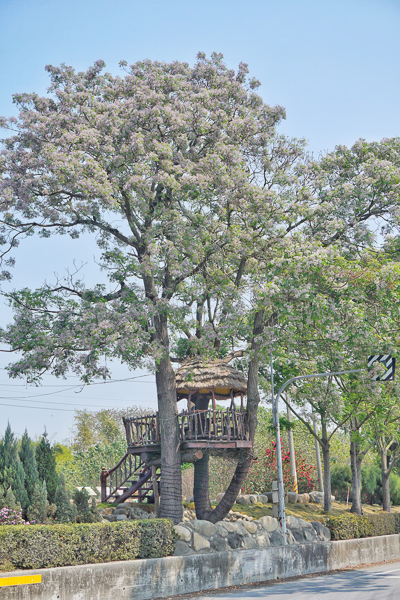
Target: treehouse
point(203, 427)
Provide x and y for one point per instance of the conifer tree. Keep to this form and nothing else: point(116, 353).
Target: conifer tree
point(46, 466)
point(11, 470)
point(37, 512)
point(65, 512)
point(10, 500)
point(28, 460)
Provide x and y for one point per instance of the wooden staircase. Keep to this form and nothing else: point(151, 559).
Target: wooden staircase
point(130, 478)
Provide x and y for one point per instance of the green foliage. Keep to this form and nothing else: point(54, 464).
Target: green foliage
point(46, 465)
point(370, 477)
point(264, 471)
point(11, 470)
point(340, 481)
point(65, 511)
point(37, 511)
point(394, 485)
point(40, 546)
point(28, 460)
point(349, 526)
point(85, 514)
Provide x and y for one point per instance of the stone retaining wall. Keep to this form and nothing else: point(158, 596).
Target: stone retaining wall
point(162, 577)
point(204, 537)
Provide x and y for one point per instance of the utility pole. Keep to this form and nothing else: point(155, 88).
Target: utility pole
point(318, 457)
point(295, 487)
point(281, 491)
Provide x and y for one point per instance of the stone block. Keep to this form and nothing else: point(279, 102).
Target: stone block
point(253, 499)
point(240, 530)
point(184, 533)
point(230, 527)
point(121, 518)
point(221, 530)
point(243, 500)
point(200, 542)
point(204, 528)
point(292, 497)
point(262, 540)
point(181, 549)
point(269, 523)
point(250, 526)
point(220, 544)
point(303, 498)
point(276, 538)
point(235, 541)
point(250, 543)
point(322, 532)
point(317, 497)
point(263, 498)
point(291, 522)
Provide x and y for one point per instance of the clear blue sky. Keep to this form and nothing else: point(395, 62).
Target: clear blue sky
point(333, 64)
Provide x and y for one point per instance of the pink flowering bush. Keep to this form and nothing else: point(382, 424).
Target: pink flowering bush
point(264, 471)
point(9, 516)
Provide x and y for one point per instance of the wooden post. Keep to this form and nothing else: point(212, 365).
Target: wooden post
point(103, 484)
point(213, 399)
point(241, 402)
point(188, 401)
point(214, 410)
point(155, 490)
point(232, 401)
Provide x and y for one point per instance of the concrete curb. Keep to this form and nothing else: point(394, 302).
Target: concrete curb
point(162, 577)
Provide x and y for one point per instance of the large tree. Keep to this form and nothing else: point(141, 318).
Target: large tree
point(151, 164)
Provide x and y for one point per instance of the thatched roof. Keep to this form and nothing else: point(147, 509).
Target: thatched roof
point(203, 376)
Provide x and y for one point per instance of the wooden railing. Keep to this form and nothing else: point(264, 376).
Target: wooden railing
point(142, 431)
point(216, 425)
point(120, 476)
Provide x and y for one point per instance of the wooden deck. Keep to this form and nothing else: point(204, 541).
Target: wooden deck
point(219, 429)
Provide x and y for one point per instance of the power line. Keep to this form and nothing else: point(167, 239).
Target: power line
point(67, 389)
point(39, 407)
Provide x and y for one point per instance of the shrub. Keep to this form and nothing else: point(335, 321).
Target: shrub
point(40, 546)
point(9, 516)
point(264, 471)
point(84, 513)
point(348, 526)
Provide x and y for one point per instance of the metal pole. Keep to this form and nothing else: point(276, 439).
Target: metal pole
point(295, 487)
point(318, 457)
point(281, 491)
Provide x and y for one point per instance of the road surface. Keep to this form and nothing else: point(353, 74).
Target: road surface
point(372, 583)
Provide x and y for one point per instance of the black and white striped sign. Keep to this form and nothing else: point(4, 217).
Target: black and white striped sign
point(389, 364)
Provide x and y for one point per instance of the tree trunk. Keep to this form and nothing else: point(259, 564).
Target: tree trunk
point(246, 457)
point(171, 479)
point(200, 488)
point(326, 457)
point(355, 461)
point(386, 506)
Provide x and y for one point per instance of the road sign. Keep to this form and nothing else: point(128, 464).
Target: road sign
point(388, 363)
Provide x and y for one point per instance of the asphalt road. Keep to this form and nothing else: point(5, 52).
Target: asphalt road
point(373, 583)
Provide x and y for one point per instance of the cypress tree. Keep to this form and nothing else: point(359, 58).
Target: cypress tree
point(37, 512)
point(65, 512)
point(11, 470)
point(10, 500)
point(46, 466)
point(28, 460)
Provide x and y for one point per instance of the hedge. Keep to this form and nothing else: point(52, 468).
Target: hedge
point(349, 526)
point(39, 546)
